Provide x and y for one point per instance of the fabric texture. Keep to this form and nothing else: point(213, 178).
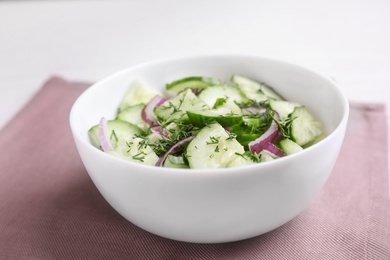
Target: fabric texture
point(50, 209)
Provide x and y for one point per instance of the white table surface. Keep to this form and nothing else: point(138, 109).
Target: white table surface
point(348, 40)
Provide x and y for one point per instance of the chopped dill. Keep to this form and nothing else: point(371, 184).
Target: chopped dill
point(255, 157)
point(129, 144)
point(213, 140)
point(144, 143)
point(140, 156)
point(284, 126)
point(175, 132)
point(113, 135)
point(231, 136)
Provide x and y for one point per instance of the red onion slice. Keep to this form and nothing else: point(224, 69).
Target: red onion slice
point(275, 151)
point(103, 136)
point(271, 135)
point(148, 112)
point(258, 145)
point(176, 145)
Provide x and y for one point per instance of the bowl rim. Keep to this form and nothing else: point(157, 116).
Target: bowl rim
point(231, 170)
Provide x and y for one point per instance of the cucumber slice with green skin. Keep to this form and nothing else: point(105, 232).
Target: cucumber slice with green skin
point(284, 108)
point(289, 147)
point(255, 90)
point(226, 92)
point(223, 96)
point(176, 108)
point(213, 147)
point(316, 140)
point(137, 93)
point(229, 105)
point(223, 116)
point(123, 137)
point(175, 162)
point(134, 150)
point(178, 86)
point(118, 131)
point(305, 129)
point(133, 114)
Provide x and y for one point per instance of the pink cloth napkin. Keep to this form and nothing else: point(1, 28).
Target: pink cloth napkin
point(50, 209)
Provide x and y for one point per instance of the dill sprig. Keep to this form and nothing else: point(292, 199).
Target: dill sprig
point(231, 136)
point(213, 140)
point(284, 126)
point(175, 108)
point(254, 103)
point(255, 157)
point(161, 146)
point(175, 133)
point(139, 156)
point(114, 137)
point(144, 143)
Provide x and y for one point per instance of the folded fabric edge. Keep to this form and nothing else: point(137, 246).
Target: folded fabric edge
point(51, 81)
point(368, 106)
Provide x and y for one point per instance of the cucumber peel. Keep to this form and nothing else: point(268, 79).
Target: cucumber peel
point(222, 116)
point(195, 82)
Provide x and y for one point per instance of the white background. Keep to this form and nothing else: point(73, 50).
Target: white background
point(348, 40)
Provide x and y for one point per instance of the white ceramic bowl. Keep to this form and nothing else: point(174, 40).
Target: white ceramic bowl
point(213, 205)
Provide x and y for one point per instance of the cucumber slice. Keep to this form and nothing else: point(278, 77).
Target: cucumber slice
point(289, 147)
point(123, 137)
point(214, 148)
point(175, 162)
point(119, 132)
point(223, 97)
point(265, 156)
point(179, 130)
point(223, 116)
point(178, 86)
point(228, 93)
point(176, 108)
point(305, 129)
point(284, 108)
point(137, 93)
point(134, 150)
point(133, 114)
point(255, 90)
